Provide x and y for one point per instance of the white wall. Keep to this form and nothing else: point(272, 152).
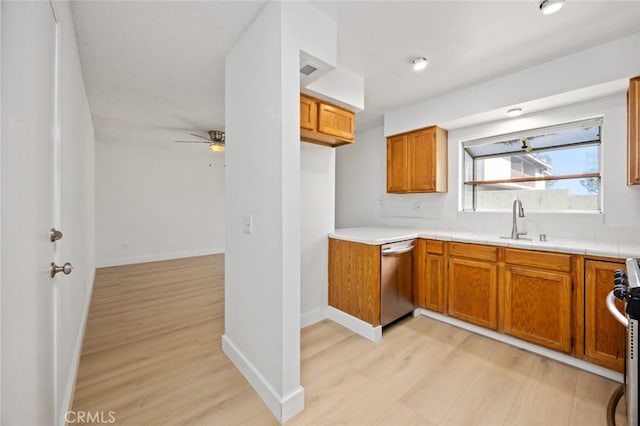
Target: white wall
point(157, 202)
point(317, 188)
point(359, 203)
point(262, 269)
point(43, 318)
point(361, 179)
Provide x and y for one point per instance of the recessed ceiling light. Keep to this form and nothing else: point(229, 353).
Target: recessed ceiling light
point(514, 112)
point(419, 64)
point(551, 6)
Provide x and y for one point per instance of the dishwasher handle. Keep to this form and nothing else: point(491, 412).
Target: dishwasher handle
point(397, 250)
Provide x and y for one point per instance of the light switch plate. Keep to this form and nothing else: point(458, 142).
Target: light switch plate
point(247, 224)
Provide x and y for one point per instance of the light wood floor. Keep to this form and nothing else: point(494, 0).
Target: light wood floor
point(152, 355)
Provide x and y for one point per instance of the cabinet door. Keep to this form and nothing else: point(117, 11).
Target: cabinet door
point(435, 282)
point(633, 132)
point(538, 307)
point(397, 177)
point(472, 288)
point(421, 147)
point(604, 336)
point(336, 121)
point(308, 114)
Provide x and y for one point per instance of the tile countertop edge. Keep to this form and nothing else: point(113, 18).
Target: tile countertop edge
point(374, 235)
point(384, 235)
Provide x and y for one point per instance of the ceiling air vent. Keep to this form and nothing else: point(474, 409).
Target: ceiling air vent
point(308, 69)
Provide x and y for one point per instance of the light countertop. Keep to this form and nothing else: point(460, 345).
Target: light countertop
point(384, 235)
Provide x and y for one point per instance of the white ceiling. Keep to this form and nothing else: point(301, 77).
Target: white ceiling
point(153, 67)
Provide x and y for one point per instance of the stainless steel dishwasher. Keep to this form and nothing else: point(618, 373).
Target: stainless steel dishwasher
point(396, 281)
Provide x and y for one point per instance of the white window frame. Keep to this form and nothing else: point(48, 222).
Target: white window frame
point(592, 121)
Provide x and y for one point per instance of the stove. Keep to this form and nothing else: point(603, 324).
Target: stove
point(627, 288)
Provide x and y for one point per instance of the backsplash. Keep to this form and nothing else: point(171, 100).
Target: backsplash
point(586, 226)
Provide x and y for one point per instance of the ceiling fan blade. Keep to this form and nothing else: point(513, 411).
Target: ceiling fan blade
point(192, 141)
point(201, 137)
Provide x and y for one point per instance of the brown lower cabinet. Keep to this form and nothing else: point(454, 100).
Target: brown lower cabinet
point(537, 306)
point(528, 294)
point(473, 291)
point(354, 279)
point(604, 336)
point(430, 269)
point(473, 284)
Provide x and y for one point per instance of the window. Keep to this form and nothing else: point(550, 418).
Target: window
point(550, 169)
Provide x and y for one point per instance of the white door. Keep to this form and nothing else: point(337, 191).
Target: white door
point(27, 297)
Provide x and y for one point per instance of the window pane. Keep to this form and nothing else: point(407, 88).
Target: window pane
point(568, 161)
point(552, 195)
point(548, 139)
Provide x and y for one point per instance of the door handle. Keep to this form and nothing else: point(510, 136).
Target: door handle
point(65, 269)
point(399, 250)
point(55, 235)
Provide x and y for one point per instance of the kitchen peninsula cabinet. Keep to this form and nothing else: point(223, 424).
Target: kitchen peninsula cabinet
point(430, 279)
point(604, 336)
point(633, 132)
point(324, 123)
point(354, 279)
point(473, 284)
point(538, 298)
point(417, 161)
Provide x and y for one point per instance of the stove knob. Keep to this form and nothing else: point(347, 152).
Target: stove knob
point(620, 278)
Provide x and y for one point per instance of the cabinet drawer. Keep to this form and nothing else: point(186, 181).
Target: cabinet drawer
point(539, 259)
point(435, 247)
point(473, 251)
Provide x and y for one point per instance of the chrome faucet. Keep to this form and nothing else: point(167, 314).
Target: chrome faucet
point(517, 205)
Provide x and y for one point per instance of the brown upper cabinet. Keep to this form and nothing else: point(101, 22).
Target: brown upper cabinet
point(417, 161)
point(325, 124)
point(633, 132)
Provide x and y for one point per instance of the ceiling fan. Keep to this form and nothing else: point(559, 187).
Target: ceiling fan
point(215, 140)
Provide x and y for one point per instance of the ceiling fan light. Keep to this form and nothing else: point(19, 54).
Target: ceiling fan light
point(548, 7)
point(216, 147)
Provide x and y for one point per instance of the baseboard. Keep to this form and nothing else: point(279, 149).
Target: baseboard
point(67, 400)
point(312, 317)
point(105, 263)
point(283, 408)
point(558, 356)
point(354, 324)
